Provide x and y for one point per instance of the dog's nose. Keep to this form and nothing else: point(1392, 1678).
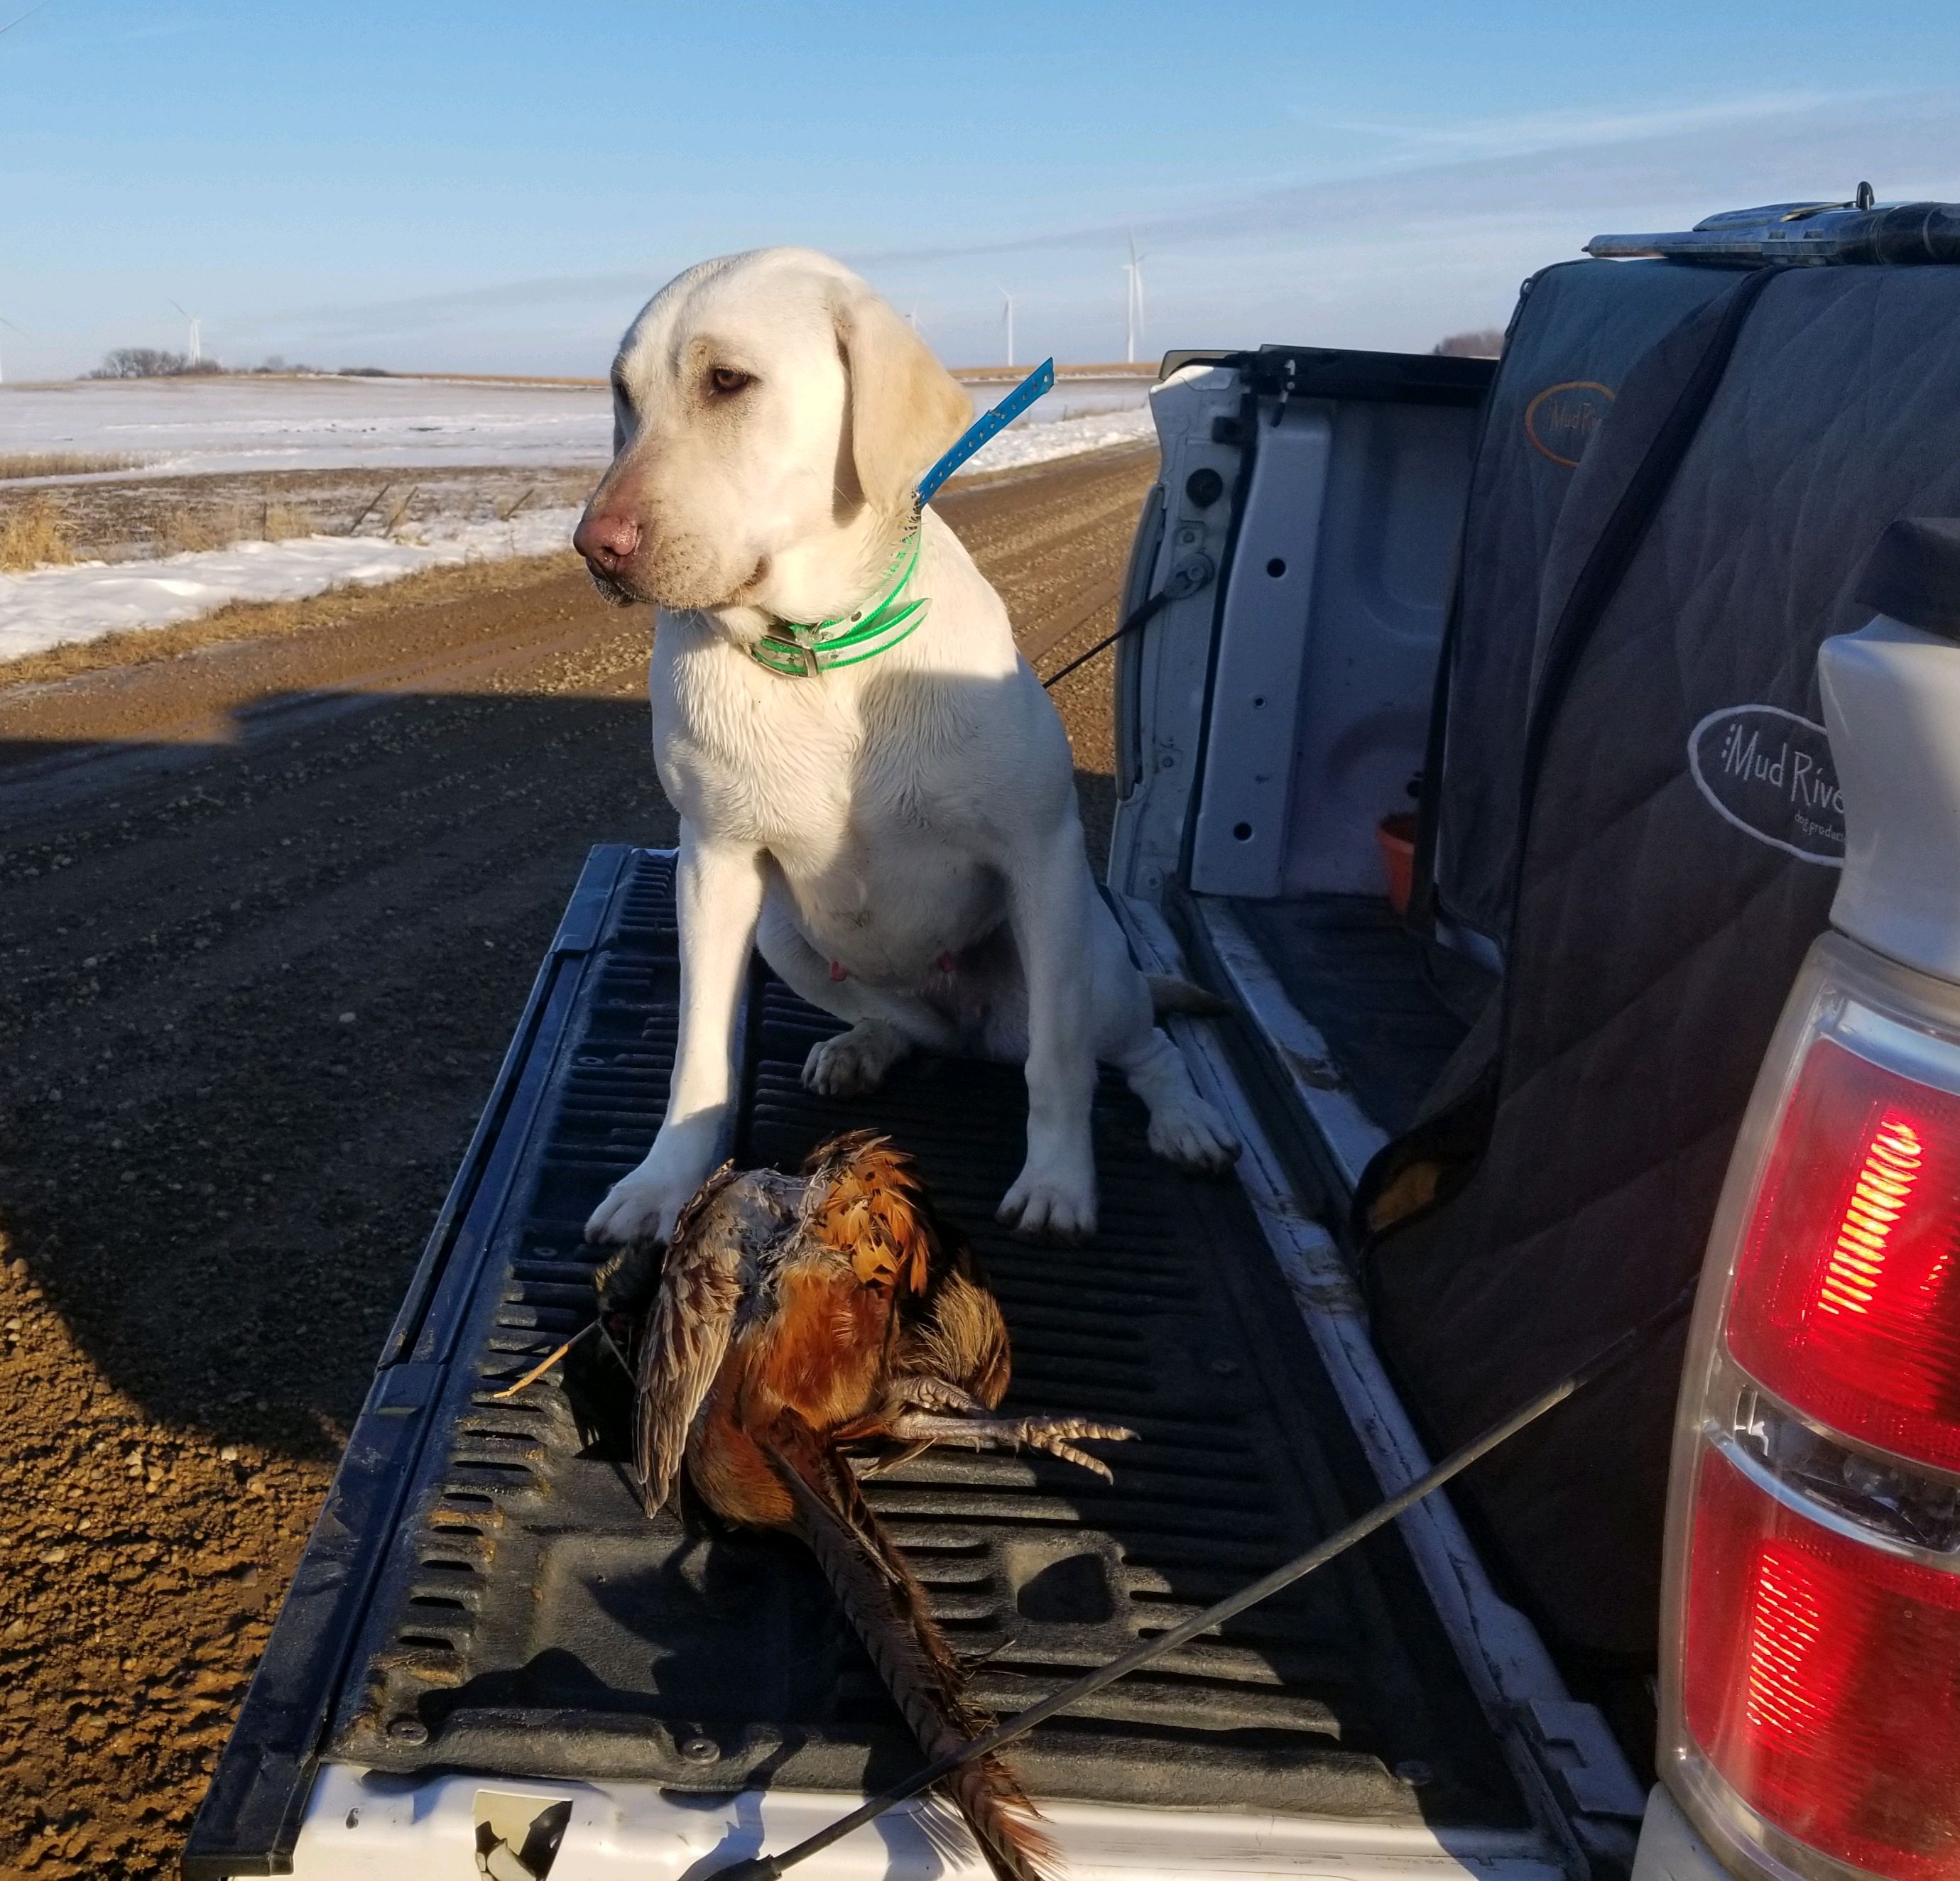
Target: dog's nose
point(606, 541)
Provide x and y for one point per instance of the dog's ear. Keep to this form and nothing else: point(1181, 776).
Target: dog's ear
point(905, 409)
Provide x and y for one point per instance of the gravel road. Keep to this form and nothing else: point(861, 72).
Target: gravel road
point(268, 910)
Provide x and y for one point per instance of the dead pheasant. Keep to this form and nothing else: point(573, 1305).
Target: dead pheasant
point(806, 1326)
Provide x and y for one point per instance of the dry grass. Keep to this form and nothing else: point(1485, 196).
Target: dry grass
point(36, 535)
point(281, 522)
point(60, 463)
point(182, 531)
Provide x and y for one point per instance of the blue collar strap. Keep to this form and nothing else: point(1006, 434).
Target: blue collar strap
point(801, 650)
point(988, 425)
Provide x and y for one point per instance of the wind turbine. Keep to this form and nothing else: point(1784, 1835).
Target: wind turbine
point(196, 333)
point(1133, 302)
point(1007, 321)
point(911, 319)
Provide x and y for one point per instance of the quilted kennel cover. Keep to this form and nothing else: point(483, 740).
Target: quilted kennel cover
point(1681, 843)
point(1578, 328)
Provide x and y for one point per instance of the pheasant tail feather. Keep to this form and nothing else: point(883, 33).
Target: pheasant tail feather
point(887, 1608)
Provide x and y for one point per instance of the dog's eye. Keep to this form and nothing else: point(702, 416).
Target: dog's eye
point(726, 380)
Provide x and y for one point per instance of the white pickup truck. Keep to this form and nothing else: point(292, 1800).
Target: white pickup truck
point(1634, 662)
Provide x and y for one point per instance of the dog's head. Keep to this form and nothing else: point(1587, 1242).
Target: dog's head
point(762, 404)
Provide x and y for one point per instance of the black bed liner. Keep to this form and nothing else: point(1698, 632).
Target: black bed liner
point(1356, 973)
point(484, 1593)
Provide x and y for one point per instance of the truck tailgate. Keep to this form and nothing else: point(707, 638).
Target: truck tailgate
point(484, 1593)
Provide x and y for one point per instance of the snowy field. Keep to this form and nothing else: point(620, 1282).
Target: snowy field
point(179, 427)
point(218, 426)
point(184, 427)
point(1025, 442)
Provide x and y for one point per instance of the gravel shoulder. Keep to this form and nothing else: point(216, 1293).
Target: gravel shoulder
point(270, 901)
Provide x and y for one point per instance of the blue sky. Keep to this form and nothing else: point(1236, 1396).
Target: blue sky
point(498, 187)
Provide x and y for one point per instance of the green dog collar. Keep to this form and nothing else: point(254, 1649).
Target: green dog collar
point(801, 650)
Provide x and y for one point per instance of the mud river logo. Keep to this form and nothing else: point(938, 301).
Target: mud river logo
point(1561, 420)
point(1769, 772)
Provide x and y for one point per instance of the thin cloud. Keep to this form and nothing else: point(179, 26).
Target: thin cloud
point(20, 18)
point(1479, 146)
point(512, 294)
point(1478, 205)
point(1733, 157)
point(1564, 130)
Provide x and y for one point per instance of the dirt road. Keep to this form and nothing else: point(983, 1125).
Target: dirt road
point(268, 910)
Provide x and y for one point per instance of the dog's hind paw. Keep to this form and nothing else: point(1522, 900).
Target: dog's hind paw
point(854, 1063)
point(1189, 1132)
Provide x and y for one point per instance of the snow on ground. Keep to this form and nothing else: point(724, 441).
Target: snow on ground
point(179, 427)
point(52, 606)
point(1021, 444)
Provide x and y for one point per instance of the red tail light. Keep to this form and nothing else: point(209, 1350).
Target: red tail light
point(1822, 1680)
point(1846, 1301)
point(1811, 1691)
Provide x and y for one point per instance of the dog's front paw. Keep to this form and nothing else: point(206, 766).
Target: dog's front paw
point(639, 1207)
point(1190, 1134)
point(1045, 1207)
point(853, 1064)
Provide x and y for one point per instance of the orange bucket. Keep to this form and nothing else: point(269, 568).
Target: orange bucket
point(1396, 833)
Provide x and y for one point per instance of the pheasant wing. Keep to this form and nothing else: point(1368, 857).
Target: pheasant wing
point(693, 1317)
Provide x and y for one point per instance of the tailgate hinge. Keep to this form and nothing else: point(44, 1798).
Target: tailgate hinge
point(1574, 1744)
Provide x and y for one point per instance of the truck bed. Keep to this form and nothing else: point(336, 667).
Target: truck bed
point(1355, 973)
point(484, 1594)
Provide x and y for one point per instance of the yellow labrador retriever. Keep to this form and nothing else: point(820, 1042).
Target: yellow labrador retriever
point(878, 793)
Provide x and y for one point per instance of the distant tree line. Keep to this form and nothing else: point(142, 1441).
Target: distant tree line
point(158, 362)
point(150, 362)
point(1487, 343)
